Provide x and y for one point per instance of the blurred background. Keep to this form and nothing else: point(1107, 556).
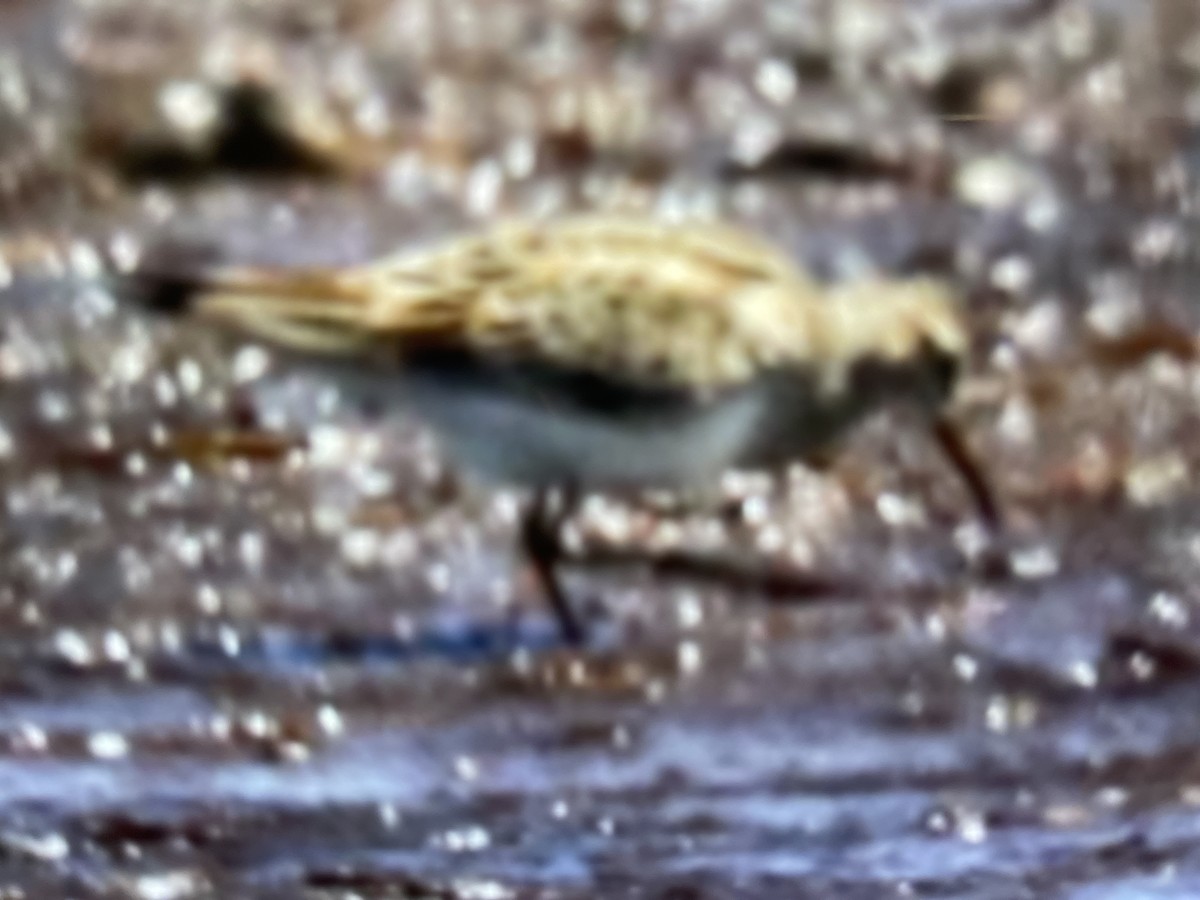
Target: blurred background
point(255, 642)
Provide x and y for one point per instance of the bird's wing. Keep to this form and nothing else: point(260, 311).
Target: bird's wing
point(696, 306)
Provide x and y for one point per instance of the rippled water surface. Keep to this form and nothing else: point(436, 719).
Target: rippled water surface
point(257, 641)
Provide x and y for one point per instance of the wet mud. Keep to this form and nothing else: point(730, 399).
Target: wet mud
point(256, 641)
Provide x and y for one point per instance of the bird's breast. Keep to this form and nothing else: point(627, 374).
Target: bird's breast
point(540, 425)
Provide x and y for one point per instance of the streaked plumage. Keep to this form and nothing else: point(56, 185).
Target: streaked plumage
point(696, 306)
point(602, 351)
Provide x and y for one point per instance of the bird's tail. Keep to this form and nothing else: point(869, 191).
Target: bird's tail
point(316, 311)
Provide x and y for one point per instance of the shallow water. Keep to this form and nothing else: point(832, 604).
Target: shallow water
point(258, 642)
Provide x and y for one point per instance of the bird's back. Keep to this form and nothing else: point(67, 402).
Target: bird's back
point(694, 306)
point(552, 338)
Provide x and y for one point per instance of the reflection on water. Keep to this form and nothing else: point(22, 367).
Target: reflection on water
point(257, 641)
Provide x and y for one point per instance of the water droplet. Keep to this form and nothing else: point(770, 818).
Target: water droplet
point(208, 600)
point(73, 647)
point(1039, 561)
point(360, 547)
point(972, 827)
point(107, 745)
point(1169, 609)
point(1084, 674)
point(192, 107)
point(177, 885)
point(689, 658)
point(466, 768)
point(116, 647)
point(776, 80)
point(53, 406)
point(250, 363)
point(190, 377)
point(30, 738)
point(330, 720)
point(689, 611)
point(47, 847)
point(252, 548)
point(389, 815)
point(229, 640)
point(466, 840)
point(965, 667)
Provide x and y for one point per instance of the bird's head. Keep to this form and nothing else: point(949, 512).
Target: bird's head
point(912, 329)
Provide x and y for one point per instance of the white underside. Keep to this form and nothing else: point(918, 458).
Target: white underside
point(512, 439)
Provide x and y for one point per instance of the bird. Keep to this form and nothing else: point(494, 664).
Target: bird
point(599, 352)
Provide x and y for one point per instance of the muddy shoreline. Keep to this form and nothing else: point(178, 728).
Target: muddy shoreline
point(258, 642)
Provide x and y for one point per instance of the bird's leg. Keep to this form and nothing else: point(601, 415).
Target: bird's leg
point(541, 538)
point(950, 440)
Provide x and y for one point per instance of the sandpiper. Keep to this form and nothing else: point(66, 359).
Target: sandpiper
point(606, 352)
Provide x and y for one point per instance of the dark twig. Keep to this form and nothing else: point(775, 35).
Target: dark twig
point(776, 583)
